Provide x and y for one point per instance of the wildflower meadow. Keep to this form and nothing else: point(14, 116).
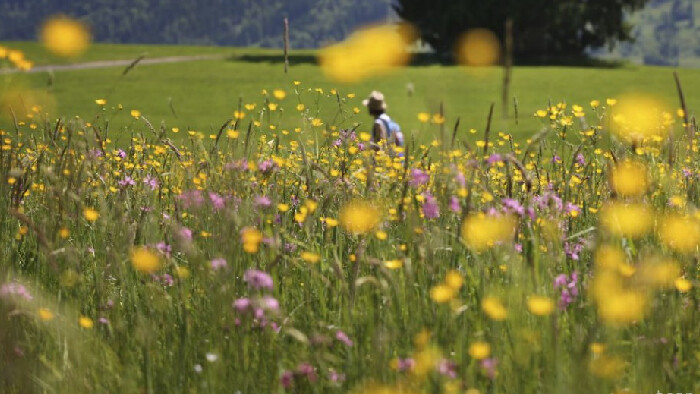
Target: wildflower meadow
point(266, 257)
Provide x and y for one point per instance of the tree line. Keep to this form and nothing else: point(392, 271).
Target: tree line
point(201, 22)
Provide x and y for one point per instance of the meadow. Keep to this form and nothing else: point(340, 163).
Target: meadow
point(201, 95)
point(280, 252)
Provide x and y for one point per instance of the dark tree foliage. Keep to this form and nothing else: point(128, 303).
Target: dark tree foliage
point(541, 27)
point(211, 22)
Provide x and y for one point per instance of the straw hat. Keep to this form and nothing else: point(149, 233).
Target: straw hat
point(375, 101)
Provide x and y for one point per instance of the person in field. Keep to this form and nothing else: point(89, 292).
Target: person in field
point(384, 128)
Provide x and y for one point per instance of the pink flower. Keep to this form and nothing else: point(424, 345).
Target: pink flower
point(258, 279)
point(418, 178)
point(431, 210)
point(241, 304)
point(217, 201)
point(287, 379)
point(342, 337)
point(218, 263)
point(454, 205)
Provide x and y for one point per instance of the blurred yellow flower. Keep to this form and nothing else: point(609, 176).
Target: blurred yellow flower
point(479, 350)
point(144, 260)
point(101, 102)
point(45, 314)
point(283, 207)
point(90, 214)
point(680, 233)
point(85, 322)
point(629, 178)
point(493, 307)
point(393, 264)
point(424, 117)
point(638, 117)
point(481, 231)
point(251, 238)
point(659, 273)
point(367, 52)
point(629, 220)
point(65, 37)
point(540, 306)
point(622, 307)
point(478, 47)
point(136, 113)
point(279, 94)
point(454, 280)
point(683, 285)
point(442, 293)
point(359, 217)
point(310, 257)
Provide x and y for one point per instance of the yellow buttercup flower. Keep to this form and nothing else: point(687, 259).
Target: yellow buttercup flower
point(629, 178)
point(479, 350)
point(481, 231)
point(85, 322)
point(494, 308)
point(629, 220)
point(145, 260)
point(359, 217)
point(45, 314)
point(680, 233)
point(540, 306)
point(90, 214)
point(65, 37)
point(310, 257)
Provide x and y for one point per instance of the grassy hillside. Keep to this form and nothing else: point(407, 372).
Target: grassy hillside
point(204, 94)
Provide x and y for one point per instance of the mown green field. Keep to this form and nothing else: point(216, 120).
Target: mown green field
point(205, 93)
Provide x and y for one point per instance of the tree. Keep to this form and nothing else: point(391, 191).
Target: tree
point(540, 27)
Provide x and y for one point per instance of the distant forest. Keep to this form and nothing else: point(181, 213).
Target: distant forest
point(201, 22)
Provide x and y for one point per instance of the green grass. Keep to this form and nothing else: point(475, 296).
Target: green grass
point(205, 93)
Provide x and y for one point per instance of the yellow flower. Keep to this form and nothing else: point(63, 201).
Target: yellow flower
point(136, 113)
point(283, 207)
point(659, 273)
point(101, 102)
point(454, 280)
point(85, 322)
point(481, 231)
point(629, 178)
point(683, 285)
point(441, 293)
point(393, 264)
point(680, 233)
point(251, 238)
point(64, 233)
point(90, 214)
point(595, 104)
point(629, 220)
point(316, 122)
point(359, 217)
point(494, 308)
point(300, 107)
point(479, 350)
point(424, 117)
point(622, 307)
point(381, 235)
point(45, 314)
point(479, 47)
point(144, 260)
point(638, 117)
point(273, 106)
point(182, 272)
point(238, 114)
point(279, 94)
point(330, 222)
point(540, 306)
point(367, 52)
point(310, 257)
point(364, 136)
point(65, 37)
